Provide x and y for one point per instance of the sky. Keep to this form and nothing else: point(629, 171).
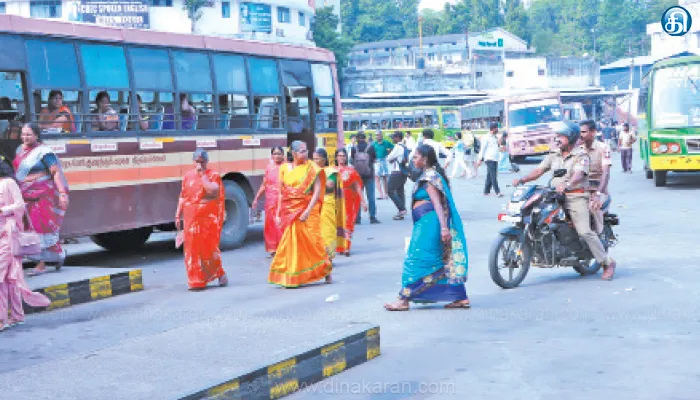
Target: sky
point(434, 4)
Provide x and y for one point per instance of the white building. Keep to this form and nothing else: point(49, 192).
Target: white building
point(665, 45)
point(285, 21)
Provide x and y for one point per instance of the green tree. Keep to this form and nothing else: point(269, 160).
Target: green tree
point(326, 35)
point(194, 10)
point(515, 19)
point(485, 14)
point(456, 18)
point(432, 20)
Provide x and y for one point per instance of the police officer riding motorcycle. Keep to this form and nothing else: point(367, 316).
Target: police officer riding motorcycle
point(544, 217)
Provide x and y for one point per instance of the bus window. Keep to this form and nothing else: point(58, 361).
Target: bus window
point(58, 111)
point(204, 115)
point(195, 98)
point(235, 113)
point(355, 125)
point(232, 85)
point(12, 105)
point(265, 85)
point(297, 108)
point(109, 110)
point(151, 110)
point(325, 114)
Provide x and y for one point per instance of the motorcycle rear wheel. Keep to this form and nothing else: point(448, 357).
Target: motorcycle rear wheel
point(593, 265)
point(505, 249)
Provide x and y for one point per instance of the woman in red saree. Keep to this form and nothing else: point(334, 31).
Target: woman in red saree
point(45, 190)
point(301, 256)
point(13, 287)
point(271, 188)
point(201, 206)
point(352, 191)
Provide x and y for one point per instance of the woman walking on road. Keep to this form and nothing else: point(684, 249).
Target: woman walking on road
point(271, 188)
point(45, 190)
point(201, 206)
point(333, 209)
point(13, 287)
point(354, 198)
point(435, 267)
point(301, 257)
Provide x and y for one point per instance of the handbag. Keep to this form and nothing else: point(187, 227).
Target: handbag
point(179, 239)
point(29, 242)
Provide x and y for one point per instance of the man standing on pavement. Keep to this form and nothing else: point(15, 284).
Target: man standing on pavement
point(428, 138)
point(382, 148)
point(397, 179)
point(349, 146)
point(490, 153)
point(627, 139)
point(363, 157)
point(577, 164)
point(599, 173)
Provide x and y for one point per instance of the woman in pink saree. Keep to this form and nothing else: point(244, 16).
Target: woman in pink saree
point(271, 188)
point(13, 287)
point(45, 191)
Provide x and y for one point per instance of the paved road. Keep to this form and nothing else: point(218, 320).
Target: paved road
point(559, 335)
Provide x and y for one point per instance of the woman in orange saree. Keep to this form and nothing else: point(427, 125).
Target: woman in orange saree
point(271, 188)
point(333, 210)
point(352, 192)
point(201, 206)
point(301, 256)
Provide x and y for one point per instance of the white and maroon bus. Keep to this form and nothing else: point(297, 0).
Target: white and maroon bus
point(244, 98)
point(526, 118)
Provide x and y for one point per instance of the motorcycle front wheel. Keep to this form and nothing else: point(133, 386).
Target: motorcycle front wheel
point(509, 261)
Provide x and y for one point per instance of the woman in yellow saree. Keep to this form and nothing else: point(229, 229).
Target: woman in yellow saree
point(333, 210)
point(301, 256)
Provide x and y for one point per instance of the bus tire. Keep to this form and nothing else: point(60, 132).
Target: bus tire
point(120, 241)
point(237, 213)
point(660, 178)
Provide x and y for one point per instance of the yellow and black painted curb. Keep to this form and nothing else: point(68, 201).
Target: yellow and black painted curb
point(299, 372)
point(87, 290)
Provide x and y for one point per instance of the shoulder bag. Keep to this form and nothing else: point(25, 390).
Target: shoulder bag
point(28, 241)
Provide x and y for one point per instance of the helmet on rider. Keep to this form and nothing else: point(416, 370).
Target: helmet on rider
point(568, 129)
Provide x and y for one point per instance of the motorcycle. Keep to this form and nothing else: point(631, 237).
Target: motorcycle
point(542, 235)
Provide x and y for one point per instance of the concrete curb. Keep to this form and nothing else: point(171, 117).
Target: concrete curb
point(88, 290)
point(299, 372)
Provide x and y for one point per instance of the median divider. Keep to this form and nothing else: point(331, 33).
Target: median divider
point(300, 371)
point(83, 285)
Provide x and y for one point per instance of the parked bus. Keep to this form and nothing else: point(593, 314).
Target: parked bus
point(171, 93)
point(669, 119)
point(526, 118)
point(444, 121)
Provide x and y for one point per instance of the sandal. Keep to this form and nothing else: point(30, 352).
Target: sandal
point(329, 279)
point(37, 273)
point(459, 304)
point(395, 307)
point(223, 281)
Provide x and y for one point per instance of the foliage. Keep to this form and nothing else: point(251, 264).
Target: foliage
point(326, 35)
point(194, 10)
point(554, 27)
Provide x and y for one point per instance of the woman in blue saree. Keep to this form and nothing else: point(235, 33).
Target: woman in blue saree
point(435, 267)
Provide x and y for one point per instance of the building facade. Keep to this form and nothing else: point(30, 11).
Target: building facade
point(491, 60)
point(284, 21)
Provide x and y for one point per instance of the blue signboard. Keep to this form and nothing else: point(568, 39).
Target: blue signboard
point(256, 17)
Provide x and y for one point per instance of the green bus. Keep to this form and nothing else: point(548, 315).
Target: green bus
point(669, 120)
point(444, 121)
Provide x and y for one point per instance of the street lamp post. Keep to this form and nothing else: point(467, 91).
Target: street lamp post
point(594, 43)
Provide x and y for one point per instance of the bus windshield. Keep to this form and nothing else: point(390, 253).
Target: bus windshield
point(531, 113)
point(676, 97)
point(450, 119)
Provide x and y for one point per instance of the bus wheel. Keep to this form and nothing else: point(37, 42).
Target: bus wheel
point(660, 178)
point(237, 212)
point(123, 240)
point(648, 172)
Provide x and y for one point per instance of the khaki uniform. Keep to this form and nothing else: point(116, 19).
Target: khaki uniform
point(600, 158)
point(577, 204)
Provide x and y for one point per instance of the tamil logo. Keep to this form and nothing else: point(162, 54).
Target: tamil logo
point(676, 21)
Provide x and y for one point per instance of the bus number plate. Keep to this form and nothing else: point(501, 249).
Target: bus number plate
point(541, 148)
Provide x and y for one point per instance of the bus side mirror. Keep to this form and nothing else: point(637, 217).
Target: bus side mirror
point(559, 172)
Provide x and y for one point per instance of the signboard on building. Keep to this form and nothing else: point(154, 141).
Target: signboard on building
point(256, 17)
point(117, 13)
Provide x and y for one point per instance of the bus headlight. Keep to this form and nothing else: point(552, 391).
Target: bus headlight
point(674, 148)
point(658, 148)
